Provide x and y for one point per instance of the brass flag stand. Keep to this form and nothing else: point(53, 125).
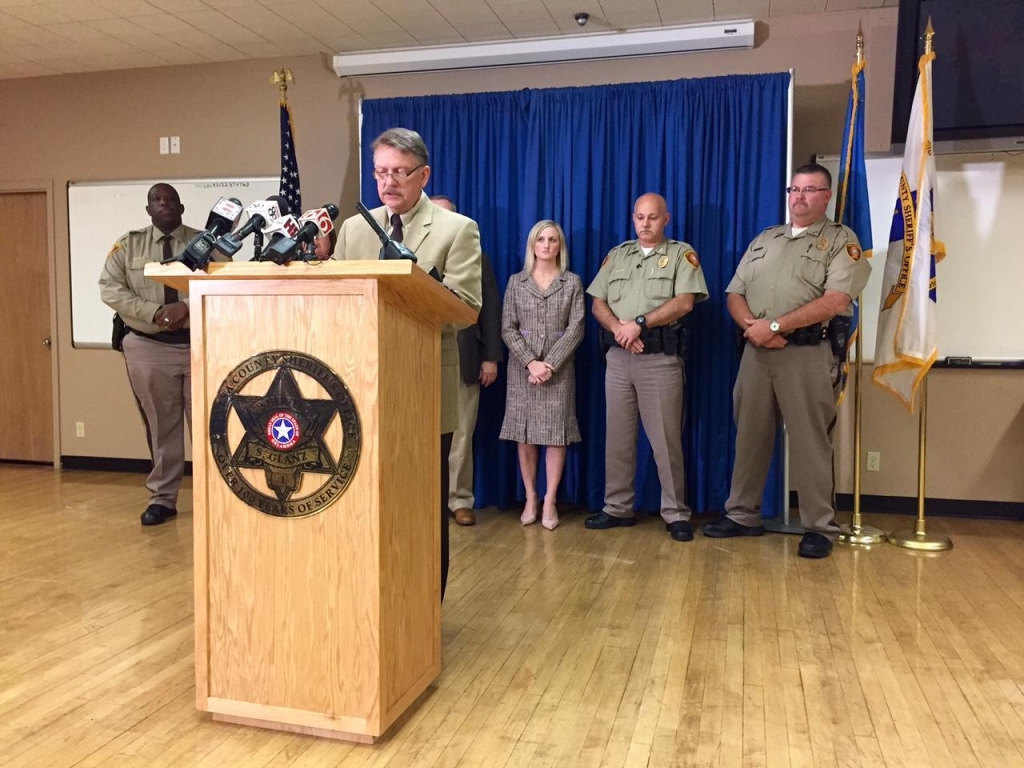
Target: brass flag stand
point(856, 532)
point(919, 538)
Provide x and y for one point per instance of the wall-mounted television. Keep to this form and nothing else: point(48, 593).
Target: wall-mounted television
point(977, 76)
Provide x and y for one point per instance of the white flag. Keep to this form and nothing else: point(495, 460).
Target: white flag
point(905, 347)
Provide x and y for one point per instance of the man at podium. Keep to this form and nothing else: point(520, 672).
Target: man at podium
point(446, 241)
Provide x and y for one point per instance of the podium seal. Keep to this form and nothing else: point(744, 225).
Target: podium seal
point(280, 452)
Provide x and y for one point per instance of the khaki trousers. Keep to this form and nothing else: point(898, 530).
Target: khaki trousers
point(460, 460)
point(161, 378)
point(794, 384)
point(651, 387)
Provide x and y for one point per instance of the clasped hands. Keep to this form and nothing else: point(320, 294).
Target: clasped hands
point(627, 336)
point(171, 317)
point(760, 334)
point(540, 372)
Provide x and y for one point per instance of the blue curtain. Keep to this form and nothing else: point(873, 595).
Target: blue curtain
point(714, 147)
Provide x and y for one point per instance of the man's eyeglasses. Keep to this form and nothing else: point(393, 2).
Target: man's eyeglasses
point(398, 174)
point(806, 190)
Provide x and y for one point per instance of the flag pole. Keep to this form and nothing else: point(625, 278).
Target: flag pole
point(919, 538)
point(856, 532)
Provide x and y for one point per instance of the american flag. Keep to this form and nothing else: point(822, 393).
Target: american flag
point(289, 188)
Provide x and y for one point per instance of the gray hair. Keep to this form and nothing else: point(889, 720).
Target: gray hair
point(446, 199)
point(404, 140)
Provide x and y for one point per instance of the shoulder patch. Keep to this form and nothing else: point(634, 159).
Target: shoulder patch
point(691, 256)
point(853, 251)
point(116, 247)
point(605, 261)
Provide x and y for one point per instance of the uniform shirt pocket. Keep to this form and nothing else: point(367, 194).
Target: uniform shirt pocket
point(618, 286)
point(754, 265)
point(812, 268)
point(660, 287)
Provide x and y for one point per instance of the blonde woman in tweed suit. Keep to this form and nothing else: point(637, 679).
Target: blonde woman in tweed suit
point(542, 325)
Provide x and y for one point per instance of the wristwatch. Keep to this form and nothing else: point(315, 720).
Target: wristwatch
point(774, 326)
point(641, 320)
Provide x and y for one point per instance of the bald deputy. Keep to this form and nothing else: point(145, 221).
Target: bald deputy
point(791, 297)
point(642, 292)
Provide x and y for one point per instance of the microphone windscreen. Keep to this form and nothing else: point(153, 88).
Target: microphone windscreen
point(282, 204)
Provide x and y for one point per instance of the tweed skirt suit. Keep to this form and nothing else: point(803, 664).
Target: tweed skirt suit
point(544, 325)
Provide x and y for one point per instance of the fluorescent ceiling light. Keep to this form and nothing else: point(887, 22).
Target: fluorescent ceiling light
point(544, 50)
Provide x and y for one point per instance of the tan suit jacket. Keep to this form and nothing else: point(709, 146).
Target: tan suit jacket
point(449, 242)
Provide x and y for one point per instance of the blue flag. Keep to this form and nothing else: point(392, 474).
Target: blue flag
point(852, 206)
point(289, 188)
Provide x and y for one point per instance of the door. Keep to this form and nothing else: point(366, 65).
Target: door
point(26, 393)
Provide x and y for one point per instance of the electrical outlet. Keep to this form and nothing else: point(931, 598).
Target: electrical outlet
point(165, 146)
point(79, 429)
point(175, 145)
point(874, 461)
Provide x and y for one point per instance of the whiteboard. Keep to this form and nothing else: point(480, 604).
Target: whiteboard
point(979, 202)
point(100, 212)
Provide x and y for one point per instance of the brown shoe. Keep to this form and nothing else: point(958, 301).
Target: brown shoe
point(465, 516)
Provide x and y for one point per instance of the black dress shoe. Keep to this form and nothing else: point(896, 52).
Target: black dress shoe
point(726, 528)
point(157, 513)
point(602, 520)
point(680, 530)
point(815, 545)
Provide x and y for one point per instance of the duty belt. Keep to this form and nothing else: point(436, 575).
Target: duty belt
point(808, 336)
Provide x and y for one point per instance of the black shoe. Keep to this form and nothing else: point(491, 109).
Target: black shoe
point(602, 520)
point(815, 545)
point(680, 530)
point(726, 528)
point(157, 513)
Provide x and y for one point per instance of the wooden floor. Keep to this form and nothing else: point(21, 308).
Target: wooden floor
point(576, 647)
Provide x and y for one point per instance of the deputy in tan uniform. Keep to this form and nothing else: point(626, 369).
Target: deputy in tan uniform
point(641, 293)
point(156, 349)
point(443, 240)
point(791, 297)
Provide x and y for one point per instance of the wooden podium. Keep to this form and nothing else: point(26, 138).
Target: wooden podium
point(319, 613)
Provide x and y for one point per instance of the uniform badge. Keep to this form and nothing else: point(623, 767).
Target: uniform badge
point(266, 444)
point(663, 262)
point(823, 244)
point(853, 251)
point(115, 249)
point(691, 256)
point(605, 261)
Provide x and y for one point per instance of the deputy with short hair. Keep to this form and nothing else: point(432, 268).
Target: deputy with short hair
point(791, 298)
point(156, 347)
point(642, 293)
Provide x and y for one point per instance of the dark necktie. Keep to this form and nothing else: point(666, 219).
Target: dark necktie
point(170, 295)
point(396, 228)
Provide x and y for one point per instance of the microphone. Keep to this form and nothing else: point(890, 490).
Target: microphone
point(390, 248)
point(318, 221)
point(260, 213)
point(222, 218)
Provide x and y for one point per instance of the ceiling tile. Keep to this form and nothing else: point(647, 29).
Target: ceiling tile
point(37, 14)
point(81, 10)
point(852, 5)
point(789, 7)
point(162, 23)
point(126, 8)
point(686, 11)
point(741, 9)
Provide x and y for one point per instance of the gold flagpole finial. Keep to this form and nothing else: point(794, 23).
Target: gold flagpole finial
point(929, 34)
point(860, 43)
point(281, 78)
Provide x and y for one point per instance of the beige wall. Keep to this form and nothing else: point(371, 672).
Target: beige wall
point(106, 126)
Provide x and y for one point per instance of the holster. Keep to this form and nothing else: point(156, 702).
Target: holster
point(120, 330)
